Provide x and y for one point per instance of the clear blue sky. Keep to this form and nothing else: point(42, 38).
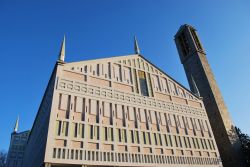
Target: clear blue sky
point(31, 33)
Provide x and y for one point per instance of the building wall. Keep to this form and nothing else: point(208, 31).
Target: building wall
point(16, 150)
point(35, 150)
point(101, 113)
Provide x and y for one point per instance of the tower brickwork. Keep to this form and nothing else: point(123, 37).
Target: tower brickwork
point(193, 58)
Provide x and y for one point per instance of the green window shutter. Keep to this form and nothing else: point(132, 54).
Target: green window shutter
point(72, 129)
point(136, 136)
point(88, 131)
point(129, 137)
point(80, 130)
point(103, 133)
point(147, 138)
point(117, 135)
point(57, 128)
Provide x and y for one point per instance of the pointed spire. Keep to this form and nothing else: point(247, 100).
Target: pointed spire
point(195, 89)
point(16, 125)
point(61, 56)
point(137, 49)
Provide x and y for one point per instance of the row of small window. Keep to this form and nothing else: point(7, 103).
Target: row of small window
point(18, 147)
point(60, 153)
point(105, 68)
point(124, 74)
point(134, 136)
point(106, 109)
point(20, 138)
point(14, 162)
point(16, 155)
point(164, 85)
point(98, 69)
point(119, 73)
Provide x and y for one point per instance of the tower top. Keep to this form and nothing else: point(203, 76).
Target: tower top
point(184, 26)
point(61, 56)
point(136, 46)
point(187, 42)
point(16, 125)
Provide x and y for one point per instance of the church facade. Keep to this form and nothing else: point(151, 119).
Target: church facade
point(119, 111)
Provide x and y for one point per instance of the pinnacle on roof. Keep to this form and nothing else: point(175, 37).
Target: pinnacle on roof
point(61, 56)
point(136, 46)
point(16, 125)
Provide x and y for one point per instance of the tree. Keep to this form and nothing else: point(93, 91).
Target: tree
point(3, 158)
point(245, 145)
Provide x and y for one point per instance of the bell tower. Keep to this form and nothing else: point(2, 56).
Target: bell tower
point(198, 71)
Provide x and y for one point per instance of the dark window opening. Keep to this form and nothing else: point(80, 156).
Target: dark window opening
point(184, 44)
point(143, 83)
point(197, 42)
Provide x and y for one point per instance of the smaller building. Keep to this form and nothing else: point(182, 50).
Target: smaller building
point(18, 143)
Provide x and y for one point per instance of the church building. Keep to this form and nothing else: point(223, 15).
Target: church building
point(17, 146)
point(120, 111)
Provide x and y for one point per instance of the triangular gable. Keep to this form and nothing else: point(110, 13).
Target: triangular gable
point(120, 69)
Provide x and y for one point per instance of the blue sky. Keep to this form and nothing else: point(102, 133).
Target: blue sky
point(31, 34)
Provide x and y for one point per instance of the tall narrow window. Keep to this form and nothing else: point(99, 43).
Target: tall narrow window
point(85, 68)
point(144, 137)
point(137, 137)
point(109, 70)
point(91, 132)
point(132, 136)
point(159, 138)
point(75, 129)
point(149, 138)
point(98, 69)
point(119, 135)
point(170, 140)
point(194, 143)
point(82, 130)
point(150, 85)
point(65, 128)
point(111, 114)
point(166, 140)
point(106, 133)
point(124, 135)
point(97, 136)
point(83, 109)
point(120, 73)
point(143, 83)
point(197, 42)
point(136, 82)
point(111, 134)
point(184, 44)
point(123, 116)
point(97, 111)
point(155, 137)
point(58, 127)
